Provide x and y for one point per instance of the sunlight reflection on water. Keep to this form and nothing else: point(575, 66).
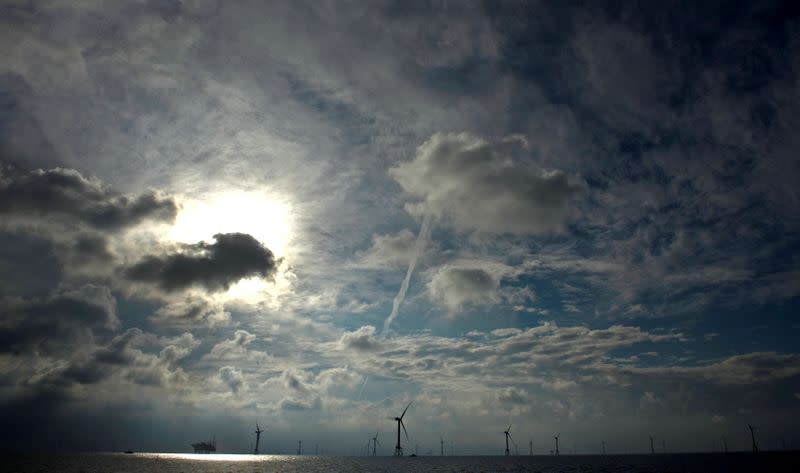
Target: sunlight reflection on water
point(233, 463)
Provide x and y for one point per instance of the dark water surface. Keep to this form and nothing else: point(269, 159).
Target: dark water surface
point(185, 463)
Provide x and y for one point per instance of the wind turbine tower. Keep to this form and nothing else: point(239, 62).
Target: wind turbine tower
point(753, 437)
point(299, 447)
point(725, 444)
point(375, 444)
point(398, 449)
point(652, 449)
point(258, 438)
point(604, 447)
point(556, 437)
point(531, 445)
point(441, 443)
point(508, 436)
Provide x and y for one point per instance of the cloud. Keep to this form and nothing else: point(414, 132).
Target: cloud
point(179, 348)
point(389, 250)
point(362, 339)
point(513, 396)
point(66, 195)
point(29, 265)
point(290, 404)
point(214, 266)
point(125, 356)
point(478, 186)
point(750, 369)
point(231, 377)
point(191, 312)
point(234, 348)
point(292, 380)
point(463, 283)
point(57, 322)
point(453, 288)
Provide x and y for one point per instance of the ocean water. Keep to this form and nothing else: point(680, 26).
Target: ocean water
point(186, 463)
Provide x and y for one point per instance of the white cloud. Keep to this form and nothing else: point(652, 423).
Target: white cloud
point(231, 377)
point(463, 283)
point(362, 339)
point(478, 186)
point(234, 348)
point(389, 251)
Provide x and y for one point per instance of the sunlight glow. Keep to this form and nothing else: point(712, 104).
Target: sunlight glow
point(265, 217)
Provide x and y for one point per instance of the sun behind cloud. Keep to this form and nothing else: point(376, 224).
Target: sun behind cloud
point(265, 217)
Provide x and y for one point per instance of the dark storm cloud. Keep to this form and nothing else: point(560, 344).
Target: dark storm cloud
point(59, 323)
point(22, 140)
point(29, 265)
point(67, 194)
point(214, 266)
point(125, 355)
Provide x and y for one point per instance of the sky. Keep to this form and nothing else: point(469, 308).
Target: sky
point(572, 218)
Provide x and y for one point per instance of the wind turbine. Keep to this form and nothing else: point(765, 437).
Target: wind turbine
point(398, 449)
point(299, 447)
point(531, 445)
point(508, 436)
point(441, 443)
point(652, 449)
point(374, 444)
point(556, 437)
point(753, 436)
point(258, 437)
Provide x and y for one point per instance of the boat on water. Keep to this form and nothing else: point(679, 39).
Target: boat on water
point(205, 447)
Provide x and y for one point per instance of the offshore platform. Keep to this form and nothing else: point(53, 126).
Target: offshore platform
point(205, 447)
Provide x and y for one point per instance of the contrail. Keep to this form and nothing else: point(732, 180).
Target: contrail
point(361, 391)
point(419, 246)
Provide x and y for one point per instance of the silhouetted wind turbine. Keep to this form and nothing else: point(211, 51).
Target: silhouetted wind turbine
point(258, 437)
point(299, 447)
point(725, 444)
point(398, 449)
point(604, 447)
point(441, 442)
point(753, 436)
point(556, 437)
point(652, 449)
point(374, 444)
point(508, 435)
point(531, 445)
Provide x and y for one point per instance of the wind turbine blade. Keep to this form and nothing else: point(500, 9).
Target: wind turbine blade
point(509, 427)
point(376, 434)
point(404, 429)
point(404, 410)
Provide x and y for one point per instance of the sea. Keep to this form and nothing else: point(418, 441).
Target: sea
point(783, 461)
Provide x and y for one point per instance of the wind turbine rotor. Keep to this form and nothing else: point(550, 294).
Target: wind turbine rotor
point(404, 429)
point(404, 411)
